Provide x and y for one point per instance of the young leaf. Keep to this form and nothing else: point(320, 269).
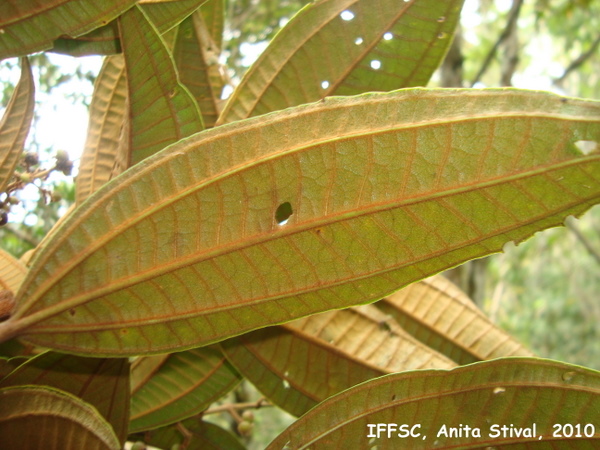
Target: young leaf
point(162, 110)
point(15, 124)
point(511, 392)
point(41, 417)
point(441, 316)
point(346, 47)
point(179, 386)
point(103, 383)
point(386, 189)
point(51, 19)
point(288, 363)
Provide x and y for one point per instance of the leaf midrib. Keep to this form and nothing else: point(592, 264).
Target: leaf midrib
point(126, 282)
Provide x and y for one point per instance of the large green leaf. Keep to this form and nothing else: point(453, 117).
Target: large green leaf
point(516, 393)
point(161, 110)
point(288, 363)
point(103, 383)
point(15, 124)
point(32, 418)
point(186, 248)
point(441, 316)
point(171, 388)
point(105, 40)
point(346, 47)
point(28, 26)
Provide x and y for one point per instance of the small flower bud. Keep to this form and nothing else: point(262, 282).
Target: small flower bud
point(25, 178)
point(31, 159)
point(248, 416)
point(245, 428)
point(61, 155)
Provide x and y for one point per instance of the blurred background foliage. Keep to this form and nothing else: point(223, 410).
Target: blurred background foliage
point(545, 291)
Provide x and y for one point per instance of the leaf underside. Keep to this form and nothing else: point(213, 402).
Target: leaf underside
point(51, 19)
point(15, 124)
point(515, 392)
point(103, 383)
point(184, 249)
point(161, 110)
point(288, 363)
point(181, 385)
point(441, 316)
point(346, 47)
point(39, 417)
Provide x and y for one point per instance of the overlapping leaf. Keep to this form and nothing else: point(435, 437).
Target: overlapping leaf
point(213, 14)
point(41, 417)
point(517, 393)
point(28, 26)
point(103, 383)
point(289, 363)
point(170, 388)
point(196, 55)
point(161, 110)
point(105, 40)
point(200, 435)
point(346, 47)
point(105, 130)
point(185, 249)
point(15, 124)
point(441, 316)
point(12, 272)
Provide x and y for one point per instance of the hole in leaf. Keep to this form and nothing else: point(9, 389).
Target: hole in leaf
point(441, 19)
point(376, 64)
point(358, 41)
point(283, 213)
point(388, 36)
point(325, 84)
point(508, 246)
point(347, 15)
point(442, 35)
point(587, 147)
